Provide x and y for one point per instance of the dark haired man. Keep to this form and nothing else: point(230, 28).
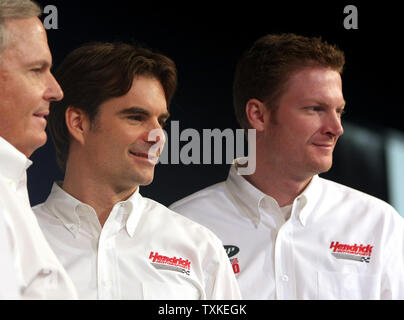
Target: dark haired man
point(114, 243)
point(28, 267)
point(289, 233)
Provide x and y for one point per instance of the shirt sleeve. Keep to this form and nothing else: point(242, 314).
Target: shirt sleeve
point(222, 283)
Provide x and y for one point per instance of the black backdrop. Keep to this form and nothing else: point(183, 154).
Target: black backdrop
point(205, 39)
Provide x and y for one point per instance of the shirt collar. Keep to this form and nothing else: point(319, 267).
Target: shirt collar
point(14, 163)
point(305, 203)
point(69, 209)
point(249, 197)
point(244, 194)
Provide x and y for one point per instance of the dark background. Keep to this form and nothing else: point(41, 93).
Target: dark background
point(205, 40)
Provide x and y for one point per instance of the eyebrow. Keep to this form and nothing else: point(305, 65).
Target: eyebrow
point(342, 105)
point(42, 63)
point(324, 104)
point(141, 110)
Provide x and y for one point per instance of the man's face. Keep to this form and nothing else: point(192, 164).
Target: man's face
point(118, 142)
point(26, 85)
point(307, 123)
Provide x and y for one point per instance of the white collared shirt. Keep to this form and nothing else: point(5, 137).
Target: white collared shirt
point(37, 272)
point(143, 251)
point(338, 243)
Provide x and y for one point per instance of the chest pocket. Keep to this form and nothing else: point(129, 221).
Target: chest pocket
point(347, 286)
point(169, 291)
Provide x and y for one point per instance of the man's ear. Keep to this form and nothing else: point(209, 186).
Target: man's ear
point(257, 114)
point(77, 123)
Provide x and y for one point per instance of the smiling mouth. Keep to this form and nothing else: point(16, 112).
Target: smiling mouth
point(41, 117)
point(323, 145)
point(41, 114)
point(138, 154)
point(150, 158)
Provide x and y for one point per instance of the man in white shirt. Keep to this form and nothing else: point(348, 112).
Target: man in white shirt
point(28, 269)
point(114, 243)
point(289, 233)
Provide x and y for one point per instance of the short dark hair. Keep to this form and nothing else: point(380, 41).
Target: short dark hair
point(96, 72)
point(264, 69)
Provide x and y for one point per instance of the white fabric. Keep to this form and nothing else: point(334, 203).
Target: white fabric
point(8, 280)
point(124, 258)
point(316, 253)
point(37, 272)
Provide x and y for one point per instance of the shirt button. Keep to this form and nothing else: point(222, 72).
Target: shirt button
point(285, 278)
point(46, 271)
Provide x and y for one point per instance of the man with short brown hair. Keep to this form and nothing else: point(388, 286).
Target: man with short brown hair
point(114, 243)
point(289, 233)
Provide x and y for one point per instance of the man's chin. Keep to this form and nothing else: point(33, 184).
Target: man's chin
point(29, 149)
point(145, 181)
point(323, 167)
point(319, 165)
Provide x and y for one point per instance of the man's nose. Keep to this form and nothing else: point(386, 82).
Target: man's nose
point(156, 135)
point(333, 125)
point(53, 92)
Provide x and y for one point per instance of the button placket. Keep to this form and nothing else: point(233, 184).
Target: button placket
point(270, 213)
point(104, 271)
point(284, 263)
point(108, 277)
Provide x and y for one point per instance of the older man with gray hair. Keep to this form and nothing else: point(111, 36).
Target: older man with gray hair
point(29, 269)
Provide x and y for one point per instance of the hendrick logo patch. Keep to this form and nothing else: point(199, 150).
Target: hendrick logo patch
point(173, 264)
point(360, 253)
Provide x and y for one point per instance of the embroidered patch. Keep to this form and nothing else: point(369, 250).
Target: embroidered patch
point(235, 265)
point(231, 252)
point(360, 253)
point(172, 264)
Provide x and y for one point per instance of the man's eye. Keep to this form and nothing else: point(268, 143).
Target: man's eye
point(341, 112)
point(135, 118)
point(314, 109)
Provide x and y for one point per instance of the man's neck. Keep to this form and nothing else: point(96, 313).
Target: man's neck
point(277, 184)
point(98, 194)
